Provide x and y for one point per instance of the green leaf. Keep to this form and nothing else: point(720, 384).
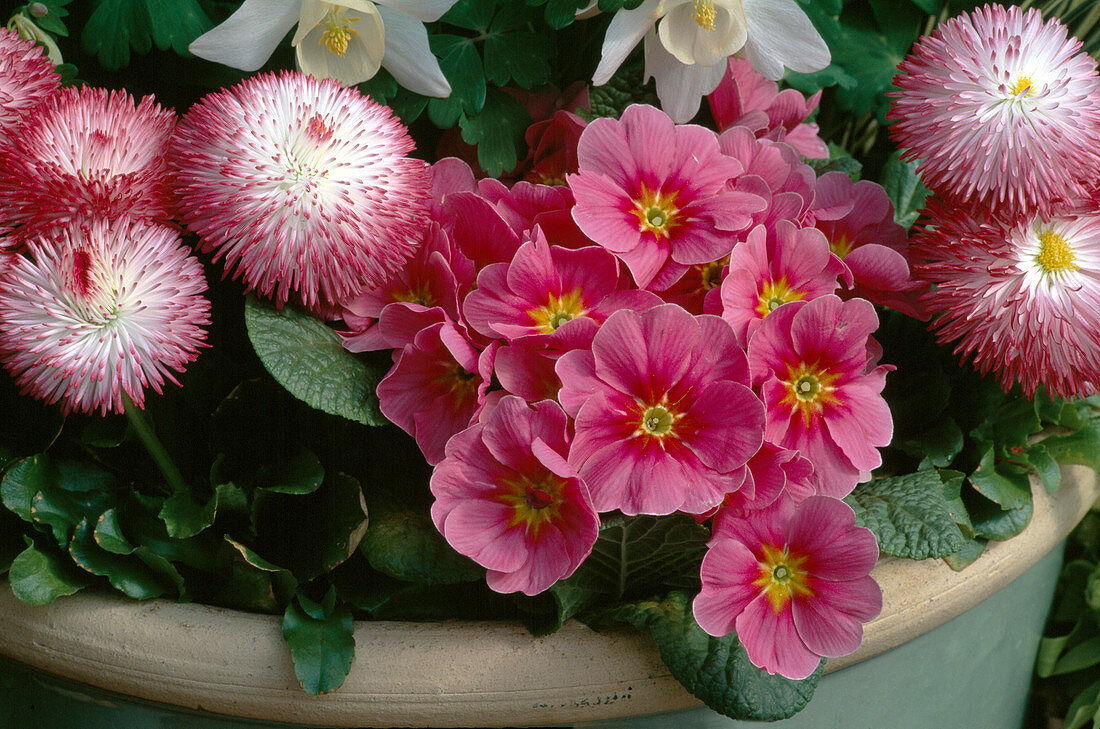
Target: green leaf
point(461, 65)
point(909, 515)
point(184, 517)
point(115, 27)
point(497, 131)
point(127, 574)
point(839, 161)
point(307, 358)
point(1048, 470)
point(1010, 491)
point(321, 643)
point(937, 445)
point(717, 670)
point(643, 554)
point(108, 534)
point(38, 577)
point(515, 52)
point(402, 542)
point(992, 522)
point(175, 23)
point(1084, 708)
point(1079, 657)
point(967, 555)
point(904, 188)
point(299, 472)
point(25, 479)
point(1080, 448)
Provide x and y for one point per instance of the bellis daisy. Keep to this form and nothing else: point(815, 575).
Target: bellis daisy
point(88, 152)
point(1022, 300)
point(27, 77)
point(1002, 107)
point(98, 312)
point(303, 186)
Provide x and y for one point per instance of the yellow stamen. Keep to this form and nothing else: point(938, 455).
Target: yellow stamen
point(1022, 85)
point(657, 421)
point(809, 390)
point(657, 212)
point(557, 310)
point(704, 14)
point(1055, 253)
point(533, 502)
point(338, 31)
point(774, 294)
point(782, 577)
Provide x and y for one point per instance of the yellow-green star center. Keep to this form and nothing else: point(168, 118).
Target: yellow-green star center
point(1055, 253)
point(704, 14)
point(656, 212)
point(657, 420)
point(782, 577)
point(806, 387)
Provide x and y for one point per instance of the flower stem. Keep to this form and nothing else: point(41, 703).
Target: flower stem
point(152, 444)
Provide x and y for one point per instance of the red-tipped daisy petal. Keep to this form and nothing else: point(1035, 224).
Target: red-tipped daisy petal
point(1001, 107)
point(88, 152)
point(302, 186)
point(27, 78)
point(97, 311)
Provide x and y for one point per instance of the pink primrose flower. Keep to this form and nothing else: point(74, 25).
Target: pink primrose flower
point(774, 267)
point(541, 288)
point(525, 205)
point(1021, 299)
point(303, 186)
point(812, 363)
point(774, 171)
point(87, 152)
point(27, 78)
point(1000, 107)
point(437, 383)
point(663, 418)
point(793, 582)
point(97, 312)
point(745, 98)
point(858, 220)
point(654, 194)
point(506, 497)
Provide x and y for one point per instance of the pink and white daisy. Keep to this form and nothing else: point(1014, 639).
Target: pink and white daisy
point(1001, 107)
point(27, 78)
point(88, 152)
point(793, 582)
point(303, 186)
point(1022, 300)
point(663, 418)
point(507, 498)
point(98, 312)
point(813, 364)
point(655, 195)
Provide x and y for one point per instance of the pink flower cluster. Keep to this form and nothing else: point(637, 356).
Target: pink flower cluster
point(684, 326)
point(1002, 109)
point(99, 298)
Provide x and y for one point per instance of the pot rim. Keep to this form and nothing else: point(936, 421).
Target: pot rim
point(458, 673)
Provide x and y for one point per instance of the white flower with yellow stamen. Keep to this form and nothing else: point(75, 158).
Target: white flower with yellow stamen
point(347, 40)
point(687, 43)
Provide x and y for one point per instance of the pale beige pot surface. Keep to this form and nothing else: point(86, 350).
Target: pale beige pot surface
point(456, 674)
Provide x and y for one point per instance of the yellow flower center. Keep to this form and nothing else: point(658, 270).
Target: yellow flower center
point(809, 390)
point(710, 274)
point(841, 246)
point(420, 293)
point(656, 212)
point(1055, 253)
point(533, 502)
point(782, 577)
point(704, 14)
point(657, 420)
point(338, 31)
point(557, 310)
point(774, 294)
point(1022, 85)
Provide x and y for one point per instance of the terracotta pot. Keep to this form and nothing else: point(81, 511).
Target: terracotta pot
point(467, 674)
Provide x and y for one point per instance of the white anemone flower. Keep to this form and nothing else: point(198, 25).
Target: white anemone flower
point(347, 40)
point(687, 43)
